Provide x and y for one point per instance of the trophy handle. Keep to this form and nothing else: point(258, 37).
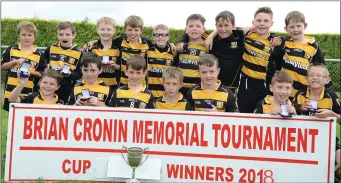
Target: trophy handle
point(147, 148)
point(124, 148)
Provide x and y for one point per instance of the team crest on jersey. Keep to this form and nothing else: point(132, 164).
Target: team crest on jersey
point(220, 104)
point(100, 96)
point(142, 105)
point(234, 44)
point(267, 49)
point(71, 60)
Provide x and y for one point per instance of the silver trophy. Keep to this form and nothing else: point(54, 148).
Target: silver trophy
point(135, 155)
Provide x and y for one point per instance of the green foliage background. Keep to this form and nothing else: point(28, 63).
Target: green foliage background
point(86, 31)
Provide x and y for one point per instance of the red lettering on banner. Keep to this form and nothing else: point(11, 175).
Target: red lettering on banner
point(170, 133)
point(207, 173)
point(264, 138)
point(76, 166)
point(46, 128)
point(112, 130)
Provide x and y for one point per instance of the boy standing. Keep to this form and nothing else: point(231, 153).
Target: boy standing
point(187, 60)
point(135, 94)
point(172, 99)
point(160, 58)
point(211, 95)
point(105, 48)
point(295, 55)
point(99, 93)
point(14, 56)
point(48, 85)
point(281, 87)
point(65, 57)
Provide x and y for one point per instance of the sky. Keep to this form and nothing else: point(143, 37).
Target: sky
point(322, 17)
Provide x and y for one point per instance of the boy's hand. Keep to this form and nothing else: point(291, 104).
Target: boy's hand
point(305, 106)
point(179, 47)
point(79, 102)
point(173, 48)
point(275, 111)
point(276, 41)
point(93, 101)
point(89, 44)
point(22, 80)
point(213, 109)
point(18, 62)
point(291, 110)
point(113, 64)
point(323, 113)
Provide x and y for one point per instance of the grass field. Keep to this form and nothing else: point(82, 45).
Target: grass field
point(4, 119)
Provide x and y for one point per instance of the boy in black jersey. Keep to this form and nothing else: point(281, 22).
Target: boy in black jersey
point(105, 48)
point(65, 57)
point(135, 94)
point(48, 85)
point(99, 93)
point(211, 95)
point(14, 56)
point(172, 99)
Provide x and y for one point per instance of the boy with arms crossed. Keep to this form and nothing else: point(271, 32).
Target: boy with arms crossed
point(172, 99)
point(97, 92)
point(65, 57)
point(14, 57)
point(211, 95)
point(135, 94)
point(105, 48)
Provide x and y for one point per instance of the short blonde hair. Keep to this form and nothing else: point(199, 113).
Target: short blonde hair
point(27, 26)
point(66, 25)
point(134, 21)
point(161, 26)
point(208, 60)
point(295, 16)
point(173, 73)
point(106, 20)
point(320, 65)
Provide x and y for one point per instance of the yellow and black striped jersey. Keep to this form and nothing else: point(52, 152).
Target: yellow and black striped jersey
point(266, 105)
point(328, 100)
point(159, 59)
point(188, 63)
point(57, 56)
point(256, 55)
point(102, 91)
point(294, 58)
point(181, 104)
point(109, 74)
point(37, 98)
point(222, 98)
point(125, 97)
point(128, 49)
point(34, 58)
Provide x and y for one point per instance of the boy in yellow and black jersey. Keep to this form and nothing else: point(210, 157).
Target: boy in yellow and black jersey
point(159, 59)
point(48, 85)
point(281, 87)
point(135, 94)
point(295, 55)
point(109, 53)
point(65, 57)
point(187, 59)
point(211, 95)
point(14, 57)
point(172, 99)
point(91, 92)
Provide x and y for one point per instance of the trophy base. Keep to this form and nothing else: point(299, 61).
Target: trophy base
point(132, 181)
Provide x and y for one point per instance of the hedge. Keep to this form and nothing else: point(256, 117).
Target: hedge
point(86, 31)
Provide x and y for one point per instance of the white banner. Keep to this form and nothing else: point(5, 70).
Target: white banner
point(82, 143)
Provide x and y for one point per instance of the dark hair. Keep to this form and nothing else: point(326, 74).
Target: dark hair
point(136, 62)
point(196, 17)
point(66, 25)
point(225, 15)
point(90, 58)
